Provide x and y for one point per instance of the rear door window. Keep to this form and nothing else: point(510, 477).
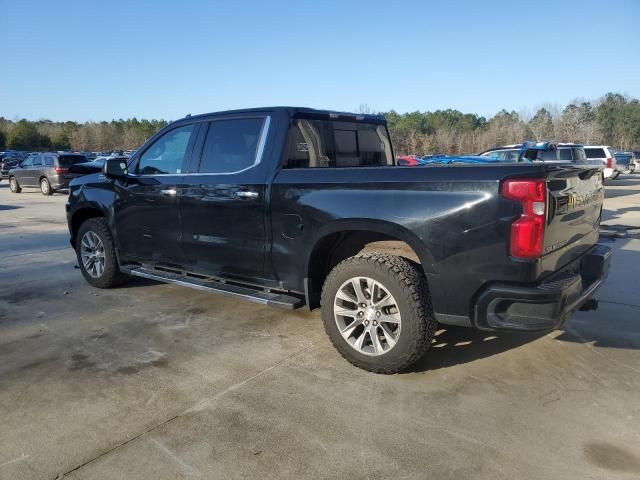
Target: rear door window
point(512, 155)
point(595, 153)
point(548, 155)
point(231, 145)
point(37, 161)
point(496, 155)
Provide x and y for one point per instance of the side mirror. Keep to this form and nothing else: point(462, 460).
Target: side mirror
point(115, 168)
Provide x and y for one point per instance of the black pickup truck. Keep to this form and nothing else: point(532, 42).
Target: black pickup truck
point(294, 206)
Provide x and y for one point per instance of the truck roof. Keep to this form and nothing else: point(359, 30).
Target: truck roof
point(296, 111)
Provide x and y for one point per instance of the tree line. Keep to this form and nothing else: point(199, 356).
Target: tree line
point(613, 119)
point(44, 135)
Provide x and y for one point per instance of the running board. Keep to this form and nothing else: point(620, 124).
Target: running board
point(215, 285)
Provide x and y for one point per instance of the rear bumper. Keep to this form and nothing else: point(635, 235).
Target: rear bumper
point(547, 305)
point(59, 182)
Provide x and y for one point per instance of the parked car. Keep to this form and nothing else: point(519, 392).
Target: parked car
point(94, 166)
point(87, 155)
point(48, 171)
point(407, 160)
point(603, 154)
point(625, 161)
point(294, 206)
point(6, 164)
point(537, 151)
point(636, 160)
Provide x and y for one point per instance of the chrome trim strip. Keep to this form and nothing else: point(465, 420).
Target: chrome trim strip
point(263, 140)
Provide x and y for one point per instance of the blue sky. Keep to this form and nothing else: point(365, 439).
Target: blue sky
point(98, 60)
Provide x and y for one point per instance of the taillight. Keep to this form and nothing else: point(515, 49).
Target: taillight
point(527, 233)
point(610, 163)
point(61, 170)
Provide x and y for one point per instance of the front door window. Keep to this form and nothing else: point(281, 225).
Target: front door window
point(167, 154)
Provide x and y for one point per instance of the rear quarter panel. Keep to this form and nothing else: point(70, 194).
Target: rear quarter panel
point(453, 217)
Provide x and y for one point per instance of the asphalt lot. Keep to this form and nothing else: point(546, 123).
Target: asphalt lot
point(158, 381)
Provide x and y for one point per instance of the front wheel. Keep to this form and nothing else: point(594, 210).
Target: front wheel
point(14, 186)
point(377, 312)
point(96, 254)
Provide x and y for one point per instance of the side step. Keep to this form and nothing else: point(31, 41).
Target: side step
point(215, 285)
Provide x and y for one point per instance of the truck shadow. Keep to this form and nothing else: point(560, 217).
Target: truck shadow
point(459, 345)
point(617, 213)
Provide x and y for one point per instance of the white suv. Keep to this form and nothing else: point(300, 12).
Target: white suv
point(603, 154)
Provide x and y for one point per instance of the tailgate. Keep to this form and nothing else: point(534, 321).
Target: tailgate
point(576, 194)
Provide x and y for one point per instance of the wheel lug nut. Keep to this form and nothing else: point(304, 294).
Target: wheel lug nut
point(377, 314)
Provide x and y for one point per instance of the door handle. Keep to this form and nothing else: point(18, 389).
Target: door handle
point(243, 194)
point(168, 191)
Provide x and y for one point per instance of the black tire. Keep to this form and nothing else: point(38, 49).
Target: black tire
point(45, 187)
point(14, 186)
point(111, 275)
point(407, 284)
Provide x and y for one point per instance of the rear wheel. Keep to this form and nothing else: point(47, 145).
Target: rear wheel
point(14, 186)
point(96, 254)
point(45, 187)
point(377, 312)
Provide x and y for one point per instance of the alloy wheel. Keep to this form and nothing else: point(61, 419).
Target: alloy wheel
point(92, 254)
point(367, 316)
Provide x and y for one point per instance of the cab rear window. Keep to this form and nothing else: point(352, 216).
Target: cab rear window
point(333, 143)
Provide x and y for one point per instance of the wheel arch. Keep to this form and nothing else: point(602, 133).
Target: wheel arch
point(344, 239)
point(80, 216)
